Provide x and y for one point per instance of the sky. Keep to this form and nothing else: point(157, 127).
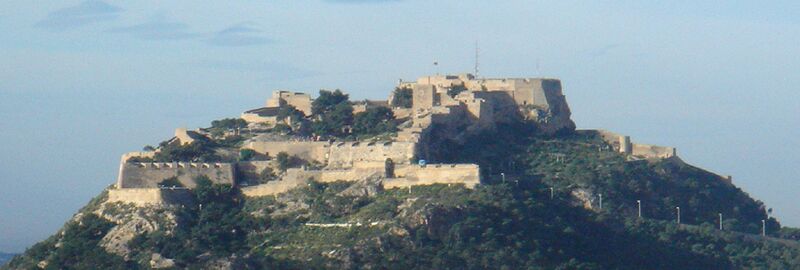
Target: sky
point(82, 82)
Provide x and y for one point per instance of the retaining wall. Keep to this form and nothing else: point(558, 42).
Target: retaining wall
point(149, 175)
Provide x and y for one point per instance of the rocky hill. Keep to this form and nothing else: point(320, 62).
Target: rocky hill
point(571, 199)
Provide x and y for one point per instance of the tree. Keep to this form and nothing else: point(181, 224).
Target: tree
point(374, 121)
point(327, 101)
point(333, 114)
point(246, 154)
point(229, 123)
point(389, 166)
point(291, 113)
point(284, 161)
point(266, 175)
point(403, 97)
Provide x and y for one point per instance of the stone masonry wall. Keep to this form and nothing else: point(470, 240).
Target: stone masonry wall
point(414, 175)
point(340, 154)
point(148, 196)
point(148, 175)
point(308, 150)
point(345, 154)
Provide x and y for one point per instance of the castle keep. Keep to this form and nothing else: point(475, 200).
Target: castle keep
point(456, 101)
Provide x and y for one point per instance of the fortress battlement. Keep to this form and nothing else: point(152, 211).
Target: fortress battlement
point(462, 102)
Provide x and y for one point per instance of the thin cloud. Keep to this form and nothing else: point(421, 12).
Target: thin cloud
point(85, 13)
point(242, 34)
point(158, 29)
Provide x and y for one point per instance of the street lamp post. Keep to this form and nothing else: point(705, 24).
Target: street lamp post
point(504, 177)
point(552, 192)
point(601, 201)
point(679, 213)
point(639, 205)
point(763, 227)
point(720, 221)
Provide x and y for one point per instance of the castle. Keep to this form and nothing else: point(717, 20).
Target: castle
point(462, 101)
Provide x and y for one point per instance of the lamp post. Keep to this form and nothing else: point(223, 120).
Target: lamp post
point(601, 201)
point(720, 221)
point(552, 192)
point(679, 214)
point(763, 227)
point(504, 177)
point(639, 205)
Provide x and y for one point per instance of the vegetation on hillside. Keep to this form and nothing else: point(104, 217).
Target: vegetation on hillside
point(537, 208)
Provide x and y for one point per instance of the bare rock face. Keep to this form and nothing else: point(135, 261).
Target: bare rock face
point(553, 119)
point(584, 198)
point(131, 222)
point(365, 188)
point(159, 262)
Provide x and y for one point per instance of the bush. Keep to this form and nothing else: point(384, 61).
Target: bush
point(229, 123)
point(246, 154)
point(374, 121)
point(333, 112)
point(170, 182)
point(266, 175)
point(403, 97)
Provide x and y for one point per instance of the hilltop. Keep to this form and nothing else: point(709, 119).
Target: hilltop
point(450, 172)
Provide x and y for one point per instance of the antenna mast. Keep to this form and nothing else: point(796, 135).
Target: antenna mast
point(477, 51)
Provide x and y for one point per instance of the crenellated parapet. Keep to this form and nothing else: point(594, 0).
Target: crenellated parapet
point(150, 174)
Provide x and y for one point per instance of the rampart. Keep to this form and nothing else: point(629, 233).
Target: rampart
point(308, 150)
point(624, 145)
point(405, 176)
point(415, 175)
point(149, 175)
point(149, 196)
point(652, 151)
point(345, 154)
point(339, 154)
point(300, 101)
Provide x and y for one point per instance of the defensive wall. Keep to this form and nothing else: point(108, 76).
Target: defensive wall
point(265, 115)
point(405, 176)
point(150, 174)
point(148, 196)
point(524, 91)
point(338, 154)
point(184, 136)
point(308, 150)
point(301, 101)
point(624, 145)
point(416, 175)
point(250, 171)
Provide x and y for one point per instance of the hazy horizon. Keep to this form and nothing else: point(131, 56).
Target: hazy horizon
point(82, 82)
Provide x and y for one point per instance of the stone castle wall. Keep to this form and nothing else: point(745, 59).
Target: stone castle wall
point(300, 101)
point(345, 154)
point(308, 150)
point(414, 175)
point(406, 175)
point(148, 196)
point(624, 145)
point(339, 154)
point(149, 175)
point(652, 151)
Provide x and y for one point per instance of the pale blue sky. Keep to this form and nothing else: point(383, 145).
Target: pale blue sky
point(83, 82)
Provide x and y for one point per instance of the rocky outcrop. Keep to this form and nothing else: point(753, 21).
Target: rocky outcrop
point(130, 222)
